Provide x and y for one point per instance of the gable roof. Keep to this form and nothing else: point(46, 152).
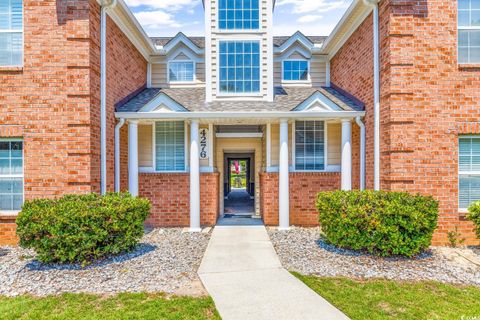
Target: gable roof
point(286, 99)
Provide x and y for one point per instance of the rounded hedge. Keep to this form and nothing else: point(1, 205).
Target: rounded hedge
point(82, 228)
point(474, 216)
point(382, 223)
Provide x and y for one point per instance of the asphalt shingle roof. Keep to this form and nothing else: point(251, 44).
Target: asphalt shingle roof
point(286, 99)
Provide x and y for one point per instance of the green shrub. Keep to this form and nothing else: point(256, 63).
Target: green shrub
point(474, 216)
point(82, 228)
point(383, 223)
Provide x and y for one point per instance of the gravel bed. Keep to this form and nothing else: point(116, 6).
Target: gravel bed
point(165, 261)
point(302, 250)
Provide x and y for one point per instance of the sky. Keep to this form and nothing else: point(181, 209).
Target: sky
point(168, 17)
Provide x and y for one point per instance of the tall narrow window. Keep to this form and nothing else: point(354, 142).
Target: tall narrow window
point(11, 33)
point(11, 175)
point(469, 171)
point(309, 145)
point(239, 67)
point(295, 70)
point(238, 14)
point(468, 31)
point(170, 146)
point(181, 71)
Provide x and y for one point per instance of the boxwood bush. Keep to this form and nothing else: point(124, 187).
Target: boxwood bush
point(474, 216)
point(82, 228)
point(382, 223)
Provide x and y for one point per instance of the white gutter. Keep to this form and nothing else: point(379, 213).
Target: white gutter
point(240, 115)
point(103, 93)
point(359, 122)
point(376, 94)
point(117, 154)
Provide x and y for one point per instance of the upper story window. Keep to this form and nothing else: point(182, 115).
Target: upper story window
point(295, 70)
point(309, 145)
point(11, 33)
point(469, 171)
point(181, 71)
point(11, 174)
point(239, 66)
point(468, 31)
point(238, 14)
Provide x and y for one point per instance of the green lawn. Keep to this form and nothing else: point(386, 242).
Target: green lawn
point(123, 306)
point(384, 299)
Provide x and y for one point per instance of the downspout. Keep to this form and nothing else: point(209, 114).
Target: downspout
point(117, 153)
point(359, 122)
point(376, 93)
point(103, 92)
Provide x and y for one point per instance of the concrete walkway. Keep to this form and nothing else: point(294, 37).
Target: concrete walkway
point(243, 274)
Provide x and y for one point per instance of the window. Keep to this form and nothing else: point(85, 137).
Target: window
point(309, 145)
point(11, 33)
point(295, 70)
point(238, 14)
point(181, 71)
point(469, 171)
point(11, 175)
point(469, 31)
point(239, 66)
point(170, 146)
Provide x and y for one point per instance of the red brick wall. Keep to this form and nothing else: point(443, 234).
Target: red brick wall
point(427, 101)
point(169, 194)
point(304, 188)
point(53, 100)
point(8, 226)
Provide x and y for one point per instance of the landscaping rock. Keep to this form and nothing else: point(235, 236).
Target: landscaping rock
point(165, 261)
point(302, 250)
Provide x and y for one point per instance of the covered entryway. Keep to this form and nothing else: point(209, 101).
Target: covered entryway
point(239, 184)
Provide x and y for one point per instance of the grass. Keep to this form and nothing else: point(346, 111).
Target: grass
point(385, 299)
point(122, 306)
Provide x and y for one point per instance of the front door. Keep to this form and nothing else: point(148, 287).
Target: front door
point(239, 186)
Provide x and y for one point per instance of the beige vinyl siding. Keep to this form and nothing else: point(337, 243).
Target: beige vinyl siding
point(275, 144)
point(296, 56)
point(277, 73)
point(145, 146)
point(181, 56)
point(318, 72)
point(334, 148)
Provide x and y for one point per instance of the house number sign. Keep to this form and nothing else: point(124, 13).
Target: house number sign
point(203, 143)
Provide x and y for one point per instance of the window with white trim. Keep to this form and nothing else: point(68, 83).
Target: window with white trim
point(11, 174)
point(295, 70)
point(181, 71)
point(11, 33)
point(239, 66)
point(309, 145)
point(468, 31)
point(170, 146)
point(469, 171)
point(239, 15)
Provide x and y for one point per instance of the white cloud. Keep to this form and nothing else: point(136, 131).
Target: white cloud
point(309, 18)
point(156, 19)
point(313, 6)
point(167, 5)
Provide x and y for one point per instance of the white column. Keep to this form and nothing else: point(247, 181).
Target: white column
point(283, 192)
point(269, 147)
point(133, 157)
point(194, 178)
point(346, 154)
point(210, 146)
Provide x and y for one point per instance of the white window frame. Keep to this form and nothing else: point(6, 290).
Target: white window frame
point(14, 212)
point(464, 28)
point(182, 82)
point(244, 94)
point(309, 78)
point(325, 148)
point(235, 30)
point(464, 173)
point(23, 39)
point(153, 168)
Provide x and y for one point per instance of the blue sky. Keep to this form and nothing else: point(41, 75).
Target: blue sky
point(167, 17)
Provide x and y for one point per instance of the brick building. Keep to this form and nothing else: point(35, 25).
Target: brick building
point(389, 100)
